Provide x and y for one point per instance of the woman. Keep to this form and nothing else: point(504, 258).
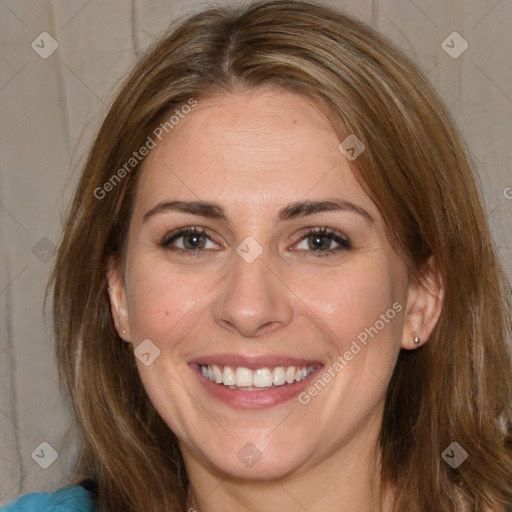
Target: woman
point(276, 288)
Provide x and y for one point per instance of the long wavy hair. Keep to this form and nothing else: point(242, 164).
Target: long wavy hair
point(457, 387)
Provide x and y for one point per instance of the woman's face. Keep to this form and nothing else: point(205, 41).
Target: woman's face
point(257, 295)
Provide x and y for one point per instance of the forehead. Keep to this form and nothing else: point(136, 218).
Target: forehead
point(261, 147)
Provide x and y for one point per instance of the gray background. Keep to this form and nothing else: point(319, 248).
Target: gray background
point(52, 107)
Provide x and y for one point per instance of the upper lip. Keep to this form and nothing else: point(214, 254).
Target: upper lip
point(253, 362)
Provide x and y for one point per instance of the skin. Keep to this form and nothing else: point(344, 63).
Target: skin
point(254, 152)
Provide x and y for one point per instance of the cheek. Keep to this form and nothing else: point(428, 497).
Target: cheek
point(160, 297)
point(358, 302)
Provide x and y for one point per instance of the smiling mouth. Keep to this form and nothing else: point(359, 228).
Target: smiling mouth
point(259, 379)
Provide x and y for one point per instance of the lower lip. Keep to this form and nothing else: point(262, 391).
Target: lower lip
point(254, 399)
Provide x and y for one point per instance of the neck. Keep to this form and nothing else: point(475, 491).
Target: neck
point(348, 480)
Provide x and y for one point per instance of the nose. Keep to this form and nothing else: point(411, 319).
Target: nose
point(252, 299)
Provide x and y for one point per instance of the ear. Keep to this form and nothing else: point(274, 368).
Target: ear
point(424, 304)
point(118, 300)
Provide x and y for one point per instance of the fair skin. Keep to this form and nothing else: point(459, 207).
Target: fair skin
point(253, 153)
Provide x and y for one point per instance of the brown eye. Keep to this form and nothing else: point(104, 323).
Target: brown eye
point(192, 239)
point(321, 240)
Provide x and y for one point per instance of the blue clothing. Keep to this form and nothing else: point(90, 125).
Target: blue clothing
point(73, 498)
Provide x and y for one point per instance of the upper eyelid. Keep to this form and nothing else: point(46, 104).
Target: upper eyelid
point(180, 232)
point(324, 230)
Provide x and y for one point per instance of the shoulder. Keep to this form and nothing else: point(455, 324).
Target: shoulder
point(73, 498)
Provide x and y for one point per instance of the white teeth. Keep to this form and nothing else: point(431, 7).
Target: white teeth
point(228, 377)
point(243, 377)
point(262, 378)
point(217, 374)
point(251, 380)
point(278, 376)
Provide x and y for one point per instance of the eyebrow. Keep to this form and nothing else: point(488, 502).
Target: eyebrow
point(292, 211)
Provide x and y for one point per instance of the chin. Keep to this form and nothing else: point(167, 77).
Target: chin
point(259, 459)
point(257, 465)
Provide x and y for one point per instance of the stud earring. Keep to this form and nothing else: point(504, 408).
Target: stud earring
point(417, 340)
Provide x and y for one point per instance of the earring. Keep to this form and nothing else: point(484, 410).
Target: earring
point(417, 340)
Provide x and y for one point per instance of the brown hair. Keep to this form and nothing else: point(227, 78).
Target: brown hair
point(457, 387)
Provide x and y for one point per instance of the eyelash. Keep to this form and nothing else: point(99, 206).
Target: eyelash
point(343, 241)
